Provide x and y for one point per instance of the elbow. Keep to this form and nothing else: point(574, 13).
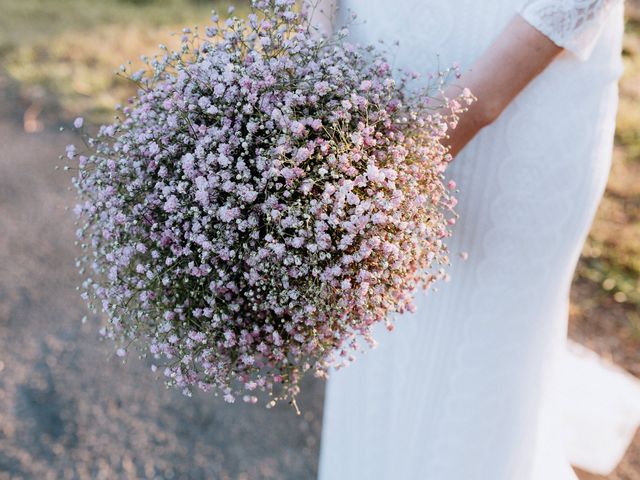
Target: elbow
point(487, 112)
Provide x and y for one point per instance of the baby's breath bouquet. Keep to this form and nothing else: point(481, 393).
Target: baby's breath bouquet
point(267, 197)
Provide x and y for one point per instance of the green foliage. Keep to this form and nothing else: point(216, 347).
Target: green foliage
point(67, 51)
point(611, 257)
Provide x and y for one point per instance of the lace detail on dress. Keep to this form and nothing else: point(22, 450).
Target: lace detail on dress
point(571, 24)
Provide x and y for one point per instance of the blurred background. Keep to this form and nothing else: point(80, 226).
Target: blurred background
point(66, 411)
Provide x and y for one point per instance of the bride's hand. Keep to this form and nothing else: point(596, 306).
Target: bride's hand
point(516, 57)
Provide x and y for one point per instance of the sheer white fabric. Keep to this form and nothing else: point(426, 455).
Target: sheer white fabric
point(470, 386)
point(571, 24)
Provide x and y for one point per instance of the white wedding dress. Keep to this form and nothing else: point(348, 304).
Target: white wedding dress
point(479, 383)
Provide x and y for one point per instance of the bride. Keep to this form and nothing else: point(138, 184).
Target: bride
point(478, 383)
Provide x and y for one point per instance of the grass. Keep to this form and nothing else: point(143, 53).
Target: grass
point(64, 53)
point(611, 257)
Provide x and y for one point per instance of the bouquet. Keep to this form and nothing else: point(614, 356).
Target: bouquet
point(267, 197)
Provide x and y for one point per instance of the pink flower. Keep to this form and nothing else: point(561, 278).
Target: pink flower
point(297, 128)
point(303, 154)
point(227, 214)
point(322, 87)
point(71, 151)
point(365, 85)
point(171, 205)
point(243, 190)
point(374, 174)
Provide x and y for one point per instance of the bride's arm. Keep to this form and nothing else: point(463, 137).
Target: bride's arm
point(519, 54)
point(529, 43)
point(515, 58)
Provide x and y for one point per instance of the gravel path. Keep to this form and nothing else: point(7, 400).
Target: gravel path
point(66, 410)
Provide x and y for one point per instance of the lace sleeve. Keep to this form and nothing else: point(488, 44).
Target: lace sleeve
point(572, 24)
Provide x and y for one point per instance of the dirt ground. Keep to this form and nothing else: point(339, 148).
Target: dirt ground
point(602, 324)
point(68, 413)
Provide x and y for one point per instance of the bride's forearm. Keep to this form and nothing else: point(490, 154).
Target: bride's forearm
point(515, 58)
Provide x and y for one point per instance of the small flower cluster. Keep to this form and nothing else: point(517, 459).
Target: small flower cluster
point(265, 198)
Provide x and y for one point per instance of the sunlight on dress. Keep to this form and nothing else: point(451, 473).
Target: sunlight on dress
point(478, 383)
